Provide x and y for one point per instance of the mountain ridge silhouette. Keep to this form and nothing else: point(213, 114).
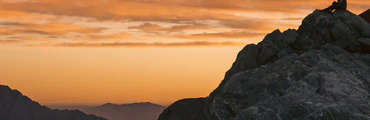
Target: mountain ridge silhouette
point(132, 111)
point(16, 106)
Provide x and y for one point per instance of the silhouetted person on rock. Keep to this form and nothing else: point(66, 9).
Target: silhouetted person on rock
point(340, 5)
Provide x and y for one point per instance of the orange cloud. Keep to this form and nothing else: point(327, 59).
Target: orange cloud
point(148, 27)
point(5, 31)
point(156, 44)
point(227, 35)
point(84, 20)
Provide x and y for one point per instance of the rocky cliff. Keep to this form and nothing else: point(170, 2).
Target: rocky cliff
point(320, 71)
point(15, 106)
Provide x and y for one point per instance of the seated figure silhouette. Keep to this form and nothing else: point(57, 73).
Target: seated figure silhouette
point(340, 5)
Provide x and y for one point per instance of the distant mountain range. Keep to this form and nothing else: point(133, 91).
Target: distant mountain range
point(366, 15)
point(15, 106)
point(135, 111)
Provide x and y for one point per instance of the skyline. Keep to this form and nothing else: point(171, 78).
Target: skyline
point(125, 51)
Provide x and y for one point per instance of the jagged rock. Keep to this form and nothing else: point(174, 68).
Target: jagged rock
point(186, 109)
point(333, 48)
point(270, 38)
point(288, 37)
point(303, 44)
point(267, 54)
point(320, 71)
point(299, 87)
point(15, 106)
point(248, 57)
point(281, 88)
point(257, 93)
point(285, 52)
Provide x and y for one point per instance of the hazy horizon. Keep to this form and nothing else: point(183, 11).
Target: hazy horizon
point(63, 52)
point(80, 107)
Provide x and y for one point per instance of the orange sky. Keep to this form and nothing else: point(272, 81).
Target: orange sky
point(91, 52)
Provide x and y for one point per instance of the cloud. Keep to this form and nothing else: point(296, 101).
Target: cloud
point(29, 31)
point(46, 29)
point(149, 27)
point(83, 21)
point(10, 41)
point(5, 31)
point(167, 10)
point(293, 18)
point(227, 35)
point(7, 23)
point(247, 24)
point(156, 44)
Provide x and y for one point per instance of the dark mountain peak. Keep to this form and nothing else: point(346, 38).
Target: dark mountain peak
point(142, 103)
point(130, 104)
point(8, 89)
point(16, 106)
point(145, 104)
point(297, 74)
point(109, 104)
point(4, 86)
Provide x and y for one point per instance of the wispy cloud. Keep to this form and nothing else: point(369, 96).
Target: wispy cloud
point(232, 34)
point(156, 44)
point(172, 21)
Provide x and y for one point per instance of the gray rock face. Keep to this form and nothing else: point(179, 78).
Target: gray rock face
point(186, 109)
point(15, 106)
point(320, 71)
point(318, 84)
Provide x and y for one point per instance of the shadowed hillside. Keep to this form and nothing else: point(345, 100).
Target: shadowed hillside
point(15, 106)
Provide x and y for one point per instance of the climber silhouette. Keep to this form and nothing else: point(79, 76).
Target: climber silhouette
point(340, 5)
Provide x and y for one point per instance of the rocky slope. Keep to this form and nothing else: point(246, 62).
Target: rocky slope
point(136, 111)
point(366, 15)
point(320, 71)
point(15, 106)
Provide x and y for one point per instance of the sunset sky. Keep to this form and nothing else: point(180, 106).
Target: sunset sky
point(90, 52)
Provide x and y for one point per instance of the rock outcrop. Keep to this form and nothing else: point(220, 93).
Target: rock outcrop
point(15, 106)
point(366, 15)
point(320, 71)
point(135, 111)
point(186, 109)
